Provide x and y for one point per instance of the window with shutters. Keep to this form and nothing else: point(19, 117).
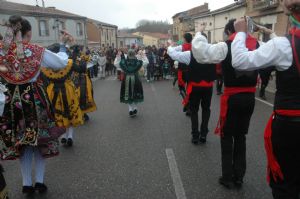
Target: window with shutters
point(79, 29)
point(43, 28)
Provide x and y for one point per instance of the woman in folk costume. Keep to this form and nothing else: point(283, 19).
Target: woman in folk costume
point(27, 126)
point(83, 83)
point(131, 88)
point(62, 94)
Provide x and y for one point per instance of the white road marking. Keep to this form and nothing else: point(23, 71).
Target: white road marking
point(265, 102)
point(178, 186)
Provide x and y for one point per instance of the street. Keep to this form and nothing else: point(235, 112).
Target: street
point(147, 157)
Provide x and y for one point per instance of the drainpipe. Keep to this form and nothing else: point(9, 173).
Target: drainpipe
point(85, 33)
point(214, 28)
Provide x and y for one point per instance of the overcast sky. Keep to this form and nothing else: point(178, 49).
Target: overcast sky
point(125, 13)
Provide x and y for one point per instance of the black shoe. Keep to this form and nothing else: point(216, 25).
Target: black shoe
point(131, 113)
point(86, 117)
point(70, 142)
point(263, 97)
point(29, 190)
point(41, 188)
point(202, 139)
point(63, 140)
point(226, 183)
point(135, 112)
point(238, 182)
point(195, 139)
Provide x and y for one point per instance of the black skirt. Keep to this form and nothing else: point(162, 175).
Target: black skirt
point(131, 89)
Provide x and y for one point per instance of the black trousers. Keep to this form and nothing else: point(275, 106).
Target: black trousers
point(286, 148)
point(200, 96)
point(233, 142)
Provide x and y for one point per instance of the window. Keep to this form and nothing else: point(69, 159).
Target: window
point(61, 25)
point(121, 44)
point(209, 37)
point(79, 29)
point(43, 28)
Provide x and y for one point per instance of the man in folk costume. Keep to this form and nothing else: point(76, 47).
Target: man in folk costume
point(27, 125)
point(131, 88)
point(183, 71)
point(62, 94)
point(199, 90)
point(82, 81)
point(237, 103)
point(282, 136)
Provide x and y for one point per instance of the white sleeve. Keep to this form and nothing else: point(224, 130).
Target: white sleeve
point(208, 53)
point(54, 61)
point(182, 57)
point(276, 52)
point(117, 62)
point(178, 48)
point(145, 61)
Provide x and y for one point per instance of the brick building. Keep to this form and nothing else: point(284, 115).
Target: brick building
point(100, 34)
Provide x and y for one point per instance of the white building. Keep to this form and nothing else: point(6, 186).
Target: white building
point(128, 40)
point(217, 19)
point(46, 22)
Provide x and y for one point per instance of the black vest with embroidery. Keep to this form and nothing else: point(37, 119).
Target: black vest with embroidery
point(233, 78)
point(288, 84)
point(201, 72)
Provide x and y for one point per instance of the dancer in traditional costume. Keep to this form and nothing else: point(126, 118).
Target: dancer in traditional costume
point(65, 101)
point(83, 83)
point(27, 127)
point(199, 90)
point(237, 103)
point(131, 88)
point(282, 135)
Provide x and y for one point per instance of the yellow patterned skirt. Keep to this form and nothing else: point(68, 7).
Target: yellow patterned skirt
point(65, 102)
point(84, 89)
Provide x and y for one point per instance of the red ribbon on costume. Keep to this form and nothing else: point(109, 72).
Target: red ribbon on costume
point(186, 47)
point(295, 32)
point(251, 42)
point(273, 166)
point(229, 91)
point(180, 78)
point(297, 16)
point(219, 69)
point(203, 84)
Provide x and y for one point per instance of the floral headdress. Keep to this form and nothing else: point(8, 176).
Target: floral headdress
point(13, 34)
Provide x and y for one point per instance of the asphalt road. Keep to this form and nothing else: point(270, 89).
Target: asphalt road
point(148, 157)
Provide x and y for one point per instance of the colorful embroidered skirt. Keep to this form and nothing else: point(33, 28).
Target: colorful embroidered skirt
point(65, 102)
point(28, 120)
point(84, 89)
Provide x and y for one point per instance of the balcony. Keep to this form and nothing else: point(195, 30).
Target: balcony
point(265, 4)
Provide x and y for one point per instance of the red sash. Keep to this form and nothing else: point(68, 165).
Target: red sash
point(21, 70)
point(229, 91)
point(273, 166)
point(203, 84)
